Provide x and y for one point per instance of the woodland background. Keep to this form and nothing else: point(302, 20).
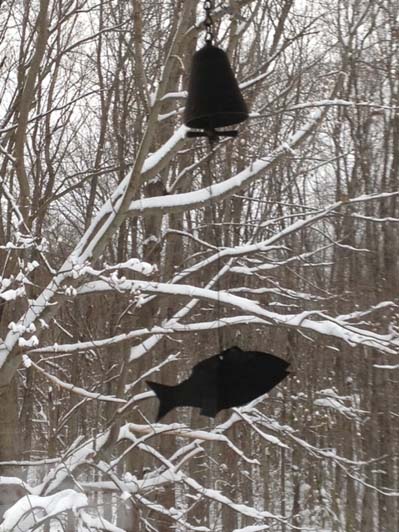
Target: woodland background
point(127, 248)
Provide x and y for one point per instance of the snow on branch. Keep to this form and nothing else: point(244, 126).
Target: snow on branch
point(141, 349)
point(328, 398)
point(75, 458)
point(217, 496)
point(272, 243)
point(172, 513)
point(31, 510)
point(71, 387)
point(357, 315)
point(14, 482)
point(169, 328)
point(86, 451)
point(169, 472)
point(254, 417)
point(83, 251)
point(172, 325)
point(219, 191)
point(98, 523)
point(102, 225)
point(324, 324)
point(323, 103)
point(254, 528)
point(183, 431)
point(241, 508)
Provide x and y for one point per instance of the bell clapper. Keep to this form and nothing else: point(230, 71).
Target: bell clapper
point(212, 134)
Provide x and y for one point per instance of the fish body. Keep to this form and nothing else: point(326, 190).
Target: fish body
point(232, 378)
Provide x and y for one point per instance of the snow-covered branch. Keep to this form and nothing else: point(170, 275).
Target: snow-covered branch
point(324, 325)
point(71, 387)
point(33, 510)
point(170, 327)
point(220, 191)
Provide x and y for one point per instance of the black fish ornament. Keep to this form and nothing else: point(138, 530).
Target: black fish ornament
point(231, 378)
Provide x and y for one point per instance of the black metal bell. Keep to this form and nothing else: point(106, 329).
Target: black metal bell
point(214, 97)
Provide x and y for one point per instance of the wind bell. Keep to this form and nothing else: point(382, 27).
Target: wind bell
point(214, 97)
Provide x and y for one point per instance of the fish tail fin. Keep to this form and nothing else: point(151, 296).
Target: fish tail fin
point(165, 395)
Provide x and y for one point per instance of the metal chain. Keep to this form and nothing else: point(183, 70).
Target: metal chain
point(208, 22)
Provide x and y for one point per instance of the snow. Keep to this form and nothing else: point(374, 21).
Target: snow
point(5, 282)
point(138, 266)
point(386, 366)
point(84, 250)
point(27, 362)
point(191, 200)
point(152, 239)
point(155, 159)
point(10, 295)
point(14, 480)
point(254, 528)
point(360, 314)
point(330, 399)
point(311, 320)
point(17, 327)
point(238, 507)
point(334, 404)
point(132, 264)
point(70, 291)
point(76, 389)
point(32, 266)
point(98, 523)
point(31, 342)
point(174, 95)
point(128, 430)
point(28, 510)
point(74, 459)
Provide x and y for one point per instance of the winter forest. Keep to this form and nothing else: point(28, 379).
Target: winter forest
point(129, 252)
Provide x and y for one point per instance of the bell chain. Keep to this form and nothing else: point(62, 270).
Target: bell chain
point(208, 22)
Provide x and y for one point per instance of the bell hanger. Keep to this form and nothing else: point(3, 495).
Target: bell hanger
point(214, 98)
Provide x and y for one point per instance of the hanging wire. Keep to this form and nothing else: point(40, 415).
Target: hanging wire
point(208, 22)
point(217, 238)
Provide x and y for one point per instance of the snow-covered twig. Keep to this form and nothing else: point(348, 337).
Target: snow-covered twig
point(167, 329)
point(177, 429)
point(327, 325)
point(76, 389)
point(220, 191)
point(33, 510)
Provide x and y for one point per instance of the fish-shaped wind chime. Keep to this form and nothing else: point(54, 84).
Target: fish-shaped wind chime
point(233, 377)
